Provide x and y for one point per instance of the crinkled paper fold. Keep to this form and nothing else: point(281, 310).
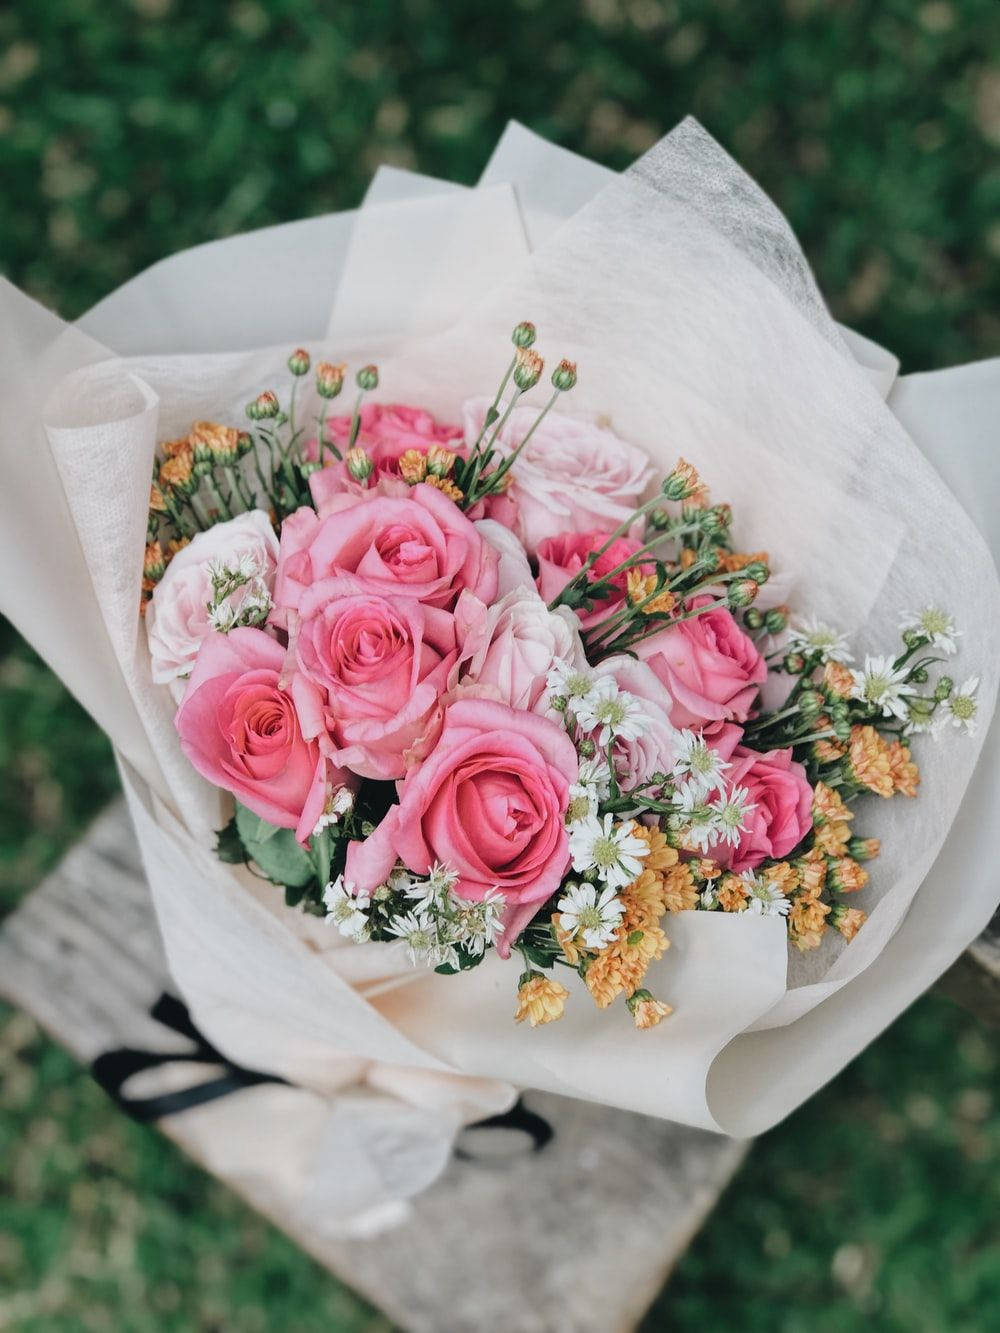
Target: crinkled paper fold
point(683, 296)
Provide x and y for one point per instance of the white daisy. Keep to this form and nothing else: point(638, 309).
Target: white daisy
point(698, 762)
point(937, 625)
point(883, 686)
point(346, 908)
point(438, 884)
point(566, 680)
point(336, 805)
point(731, 811)
point(613, 850)
point(766, 899)
point(222, 616)
point(420, 936)
point(695, 820)
point(595, 913)
point(613, 713)
point(811, 636)
point(961, 706)
point(477, 924)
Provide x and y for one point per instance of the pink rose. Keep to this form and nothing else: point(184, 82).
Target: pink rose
point(420, 546)
point(711, 669)
point(378, 667)
point(572, 475)
point(388, 430)
point(780, 792)
point(509, 647)
point(563, 556)
point(177, 616)
point(488, 802)
point(240, 730)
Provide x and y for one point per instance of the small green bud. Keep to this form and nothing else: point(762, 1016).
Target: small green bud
point(842, 729)
point(943, 688)
point(587, 748)
point(564, 376)
point(329, 379)
point(298, 362)
point(741, 592)
point(811, 702)
point(711, 522)
point(913, 638)
point(558, 702)
point(658, 519)
point(367, 378)
point(310, 466)
point(775, 620)
point(757, 571)
point(359, 465)
point(524, 334)
point(794, 663)
point(202, 467)
point(919, 674)
point(528, 369)
point(753, 619)
point(264, 407)
point(244, 444)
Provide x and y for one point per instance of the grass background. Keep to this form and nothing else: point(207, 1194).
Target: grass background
point(129, 130)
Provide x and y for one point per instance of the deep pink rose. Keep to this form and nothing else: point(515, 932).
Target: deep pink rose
point(388, 430)
point(420, 546)
point(780, 792)
point(378, 667)
point(240, 730)
point(488, 802)
point(711, 669)
point(563, 556)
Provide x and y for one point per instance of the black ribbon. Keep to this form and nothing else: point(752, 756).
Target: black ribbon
point(113, 1069)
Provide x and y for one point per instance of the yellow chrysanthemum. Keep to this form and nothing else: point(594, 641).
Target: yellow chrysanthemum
point(646, 1011)
point(828, 805)
point(640, 586)
point(849, 920)
point(838, 679)
point(661, 856)
point(412, 466)
point(540, 1000)
point(446, 486)
point(812, 873)
point(905, 773)
point(832, 839)
point(732, 895)
point(846, 875)
point(679, 891)
point(566, 941)
point(868, 758)
point(782, 876)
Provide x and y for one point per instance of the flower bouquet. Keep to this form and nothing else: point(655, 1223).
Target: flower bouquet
point(462, 703)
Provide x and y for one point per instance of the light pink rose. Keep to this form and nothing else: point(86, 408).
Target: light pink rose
point(572, 475)
point(240, 730)
point(378, 667)
point(509, 647)
point(711, 669)
point(563, 556)
point(420, 546)
point(780, 791)
point(177, 616)
point(488, 802)
point(653, 750)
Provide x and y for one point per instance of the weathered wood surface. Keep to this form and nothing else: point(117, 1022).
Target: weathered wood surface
point(576, 1239)
point(974, 981)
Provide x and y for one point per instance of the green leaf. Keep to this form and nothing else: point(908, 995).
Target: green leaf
point(276, 852)
point(229, 845)
point(251, 827)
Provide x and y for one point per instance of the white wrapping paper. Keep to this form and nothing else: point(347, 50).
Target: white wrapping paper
point(683, 296)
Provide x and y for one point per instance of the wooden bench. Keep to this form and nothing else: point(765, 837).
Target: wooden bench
point(525, 1247)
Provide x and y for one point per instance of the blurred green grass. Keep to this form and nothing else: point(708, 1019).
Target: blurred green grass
point(129, 130)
